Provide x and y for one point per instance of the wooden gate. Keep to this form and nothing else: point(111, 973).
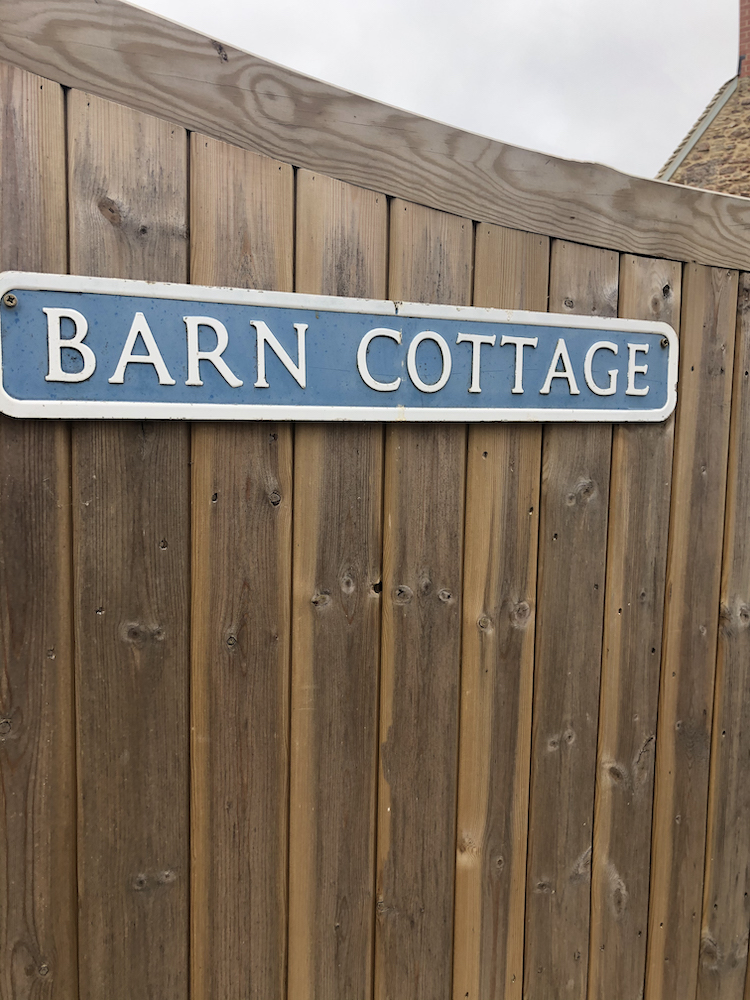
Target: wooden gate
point(345, 711)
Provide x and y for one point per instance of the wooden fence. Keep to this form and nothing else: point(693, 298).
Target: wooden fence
point(349, 711)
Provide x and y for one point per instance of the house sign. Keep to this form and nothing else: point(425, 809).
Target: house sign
point(77, 347)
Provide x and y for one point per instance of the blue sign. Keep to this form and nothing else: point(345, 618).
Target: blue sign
point(95, 347)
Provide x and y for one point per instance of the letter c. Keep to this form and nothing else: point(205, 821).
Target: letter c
point(379, 331)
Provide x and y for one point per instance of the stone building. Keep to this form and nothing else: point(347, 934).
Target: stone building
point(715, 154)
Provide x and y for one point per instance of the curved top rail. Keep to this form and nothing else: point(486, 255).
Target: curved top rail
point(128, 55)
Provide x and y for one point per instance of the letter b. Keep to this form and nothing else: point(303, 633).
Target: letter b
point(55, 344)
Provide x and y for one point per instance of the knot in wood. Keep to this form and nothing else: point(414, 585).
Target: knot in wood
point(710, 953)
point(111, 211)
point(425, 586)
point(274, 498)
point(402, 594)
point(744, 615)
point(444, 596)
point(569, 736)
point(44, 970)
point(466, 844)
point(231, 640)
point(139, 882)
point(166, 876)
point(569, 303)
point(320, 599)
point(134, 632)
point(520, 615)
point(618, 893)
point(485, 623)
point(5, 727)
point(616, 772)
point(583, 492)
point(544, 884)
point(347, 584)
point(138, 633)
point(581, 870)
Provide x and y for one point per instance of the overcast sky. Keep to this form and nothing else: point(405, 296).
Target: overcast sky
point(615, 81)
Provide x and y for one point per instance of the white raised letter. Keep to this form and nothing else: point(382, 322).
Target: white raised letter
point(364, 371)
point(634, 369)
point(140, 326)
point(195, 356)
point(476, 340)
point(55, 343)
point(600, 345)
point(411, 361)
point(298, 371)
point(561, 352)
point(520, 343)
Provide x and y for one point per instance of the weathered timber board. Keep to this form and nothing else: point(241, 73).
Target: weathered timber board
point(430, 259)
point(707, 328)
point(570, 598)
point(242, 234)
point(726, 906)
point(640, 489)
point(341, 249)
point(128, 202)
point(511, 271)
point(38, 913)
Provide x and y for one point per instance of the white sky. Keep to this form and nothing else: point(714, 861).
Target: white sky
point(615, 81)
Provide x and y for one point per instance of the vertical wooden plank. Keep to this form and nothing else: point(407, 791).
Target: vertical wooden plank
point(726, 911)
point(241, 225)
point(640, 488)
point(570, 604)
point(430, 260)
point(511, 271)
point(128, 197)
point(37, 744)
point(709, 306)
point(341, 249)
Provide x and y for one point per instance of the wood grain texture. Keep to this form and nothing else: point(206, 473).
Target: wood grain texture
point(511, 271)
point(128, 198)
point(430, 260)
point(37, 739)
point(570, 598)
point(341, 249)
point(242, 235)
point(726, 912)
point(640, 488)
point(125, 54)
point(709, 304)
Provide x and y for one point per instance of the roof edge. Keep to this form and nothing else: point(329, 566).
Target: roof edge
point(125, 54)
point(698, 130)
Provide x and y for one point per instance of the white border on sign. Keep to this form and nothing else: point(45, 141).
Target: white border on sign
point(98, 409)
